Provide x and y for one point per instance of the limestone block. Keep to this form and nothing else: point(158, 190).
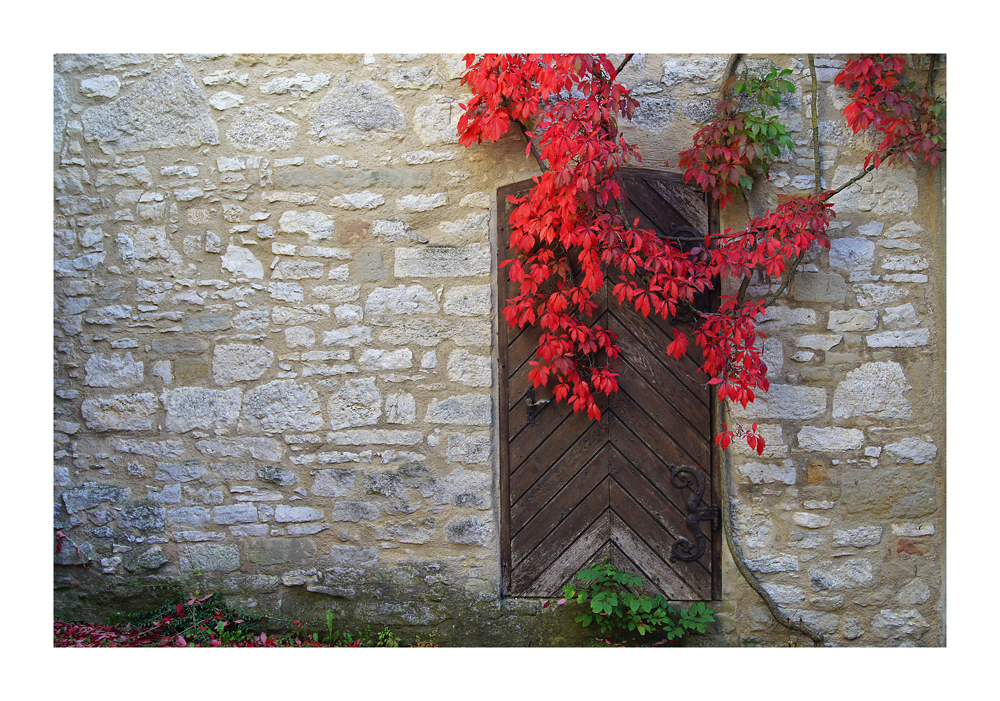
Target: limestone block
point(471, 450)
point(466, 410)
point(421, 203)
point(121, 412)
point(190, 516)
point(92, 494)
point(902, 492)
point(823, 342)
point(852, 254)
point(819, 287)
point(915, 592)
point(101, 86)
point(698, 70)
point(353, 555)
point(774, 563)
point(374, 437)
point(158, 112)
point(145, 517)
point(785, 402)
point(298, 85)
point(433, 261)
point(257, 129)
point(852, 320)
point(468, 300)
point(874, 389)
point(885, 191)
point(857, 537)
point(138, 244)
point(373, 359)
point(437, 122)
point(234, 513)
point(460, 488)
point(871, 295)
point(468, 369)
point(808, 520)
point(242, 263)
point(431, 332)
point(283, 513)
point(785, 594)
point(114, 371)
point(317, 225)
point(333, 483)
point(400, 408)
point(179, 471)
point(761, 473)
point(280, 406)
point(274, 551)
point(357, 403)
point(238, 362)
point(355, 111)
point(298, 270)
point(348, 336)
point(836, 440)
point(828, 575)
point(266, 449)
point(298, 316)
point(207, 557)
point(358, 200)
point(899, 339)
point(912, 449)
point(354, 511)
point(469, 530)
point(300, 337)
point(899, 624)
point(410, 300)
point(196, 407)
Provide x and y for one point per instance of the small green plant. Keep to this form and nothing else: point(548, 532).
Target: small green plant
point(605, 591)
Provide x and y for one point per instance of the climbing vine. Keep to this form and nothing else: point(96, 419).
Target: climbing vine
point(570, 229)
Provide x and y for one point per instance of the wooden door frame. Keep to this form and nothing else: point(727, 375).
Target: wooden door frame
point(503, 402)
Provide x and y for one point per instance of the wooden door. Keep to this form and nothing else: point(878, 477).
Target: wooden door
point(574, 491)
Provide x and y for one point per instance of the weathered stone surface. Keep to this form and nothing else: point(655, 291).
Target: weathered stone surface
point(786, 402)
point(257, 129)
point(468, 300)
point(899, 339)
point(914, 593)
point(471, 450)
point(266, 449)
point(819, 287)
point(274, 551)
point(280, 406)
point(460, 488)
point(318, 226)
point(857, 537)
point(431, 332)
point(903, 492)
point(836, 440)
point(353, 556)
point(140, 244)
point(189, 408)
point(874, 389)
point(101, 86)
point(206, 557)
point(414, 299)
point(354, 112)
point(421, 203)
point(443, 262)
point(333, 483)
point(300, 337)
point(60, 108)
point(144, 516)
point(230, 514)
point(298, 85)
point(400, 408)
point(762, 473)
point(469, 530)
point(152, 559)
point(241, 262)
point(239, 362)
point(374, 437)
point(92, 494)
point(121, 412)
point(823, 342)
point(810, 520)
point(468, 369)
point(785, 594)
point(283, 513)
point(358, 403)
point(850, 575)
point(113, 371)
point(158, 112)
point(466, 410)
point(886, 191)
point(912, 449)
point(354, 511)
point(852, 254)
point(348, 336)
point(437, 122)
point(179, 471)
point(373, 359)
point(852, 320)
point(899, 625)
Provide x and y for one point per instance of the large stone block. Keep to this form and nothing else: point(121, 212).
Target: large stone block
point(831, 439)
point(357, 403)
point(902, 492)
point(189, 408)
point(785, 402)
point(431, 332)
point(354, 112)
point(333, 483)
point(92, 494)
point(849, 575)
point(257, 128)
point(874, 389)
point(414, 299)
point(886, 191)
point(274, 551)
point(121, 412)
point(113, 371)
point(238, 362)
point(469, 530)
point(465, 410)
point(443, 262)
point(158, 112)
point(468, 300)
point(282, 405)
point(206, 557)
point(468, 369)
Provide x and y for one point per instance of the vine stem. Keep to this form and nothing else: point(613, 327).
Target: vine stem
point(735, 548)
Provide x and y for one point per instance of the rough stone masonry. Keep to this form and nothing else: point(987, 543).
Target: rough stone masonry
point(275, 348)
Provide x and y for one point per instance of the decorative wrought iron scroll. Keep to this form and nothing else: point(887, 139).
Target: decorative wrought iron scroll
point(683, 476)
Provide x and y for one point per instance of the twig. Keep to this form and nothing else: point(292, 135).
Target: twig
point(815, 123)
point(531, 144)
point(628, 57)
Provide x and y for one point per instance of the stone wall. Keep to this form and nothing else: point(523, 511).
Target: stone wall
point(274, 352)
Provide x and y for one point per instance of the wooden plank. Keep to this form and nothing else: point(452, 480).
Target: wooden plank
point(537, 483)
point(670, 515)
point(661, 576)
point(527, 535)
point(660, 442)
point(588, 548)
point(643, 525)
point(562, 537)
point(693, 405)
point(654, 207)
point(689, 203)
point(548, 422)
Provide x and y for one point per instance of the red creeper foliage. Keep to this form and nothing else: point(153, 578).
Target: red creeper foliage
point(570, 232)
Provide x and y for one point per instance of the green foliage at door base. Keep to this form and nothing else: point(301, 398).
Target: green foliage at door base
point(605, 592)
